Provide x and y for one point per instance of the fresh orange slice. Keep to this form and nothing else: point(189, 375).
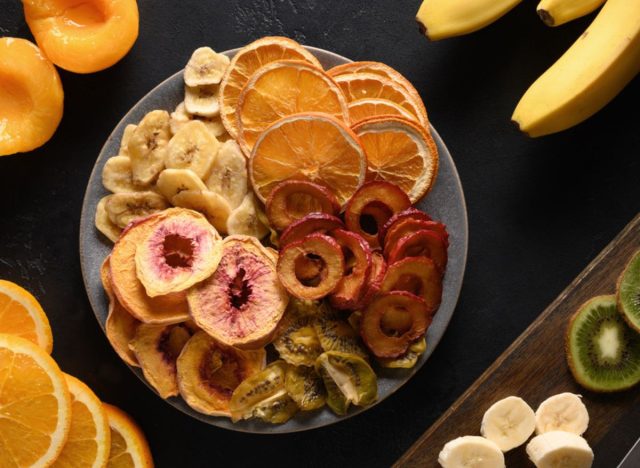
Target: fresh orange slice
point(35, 406)
point(283, 88)
point(310, 146)
point(246, 62)
point(129, 447)
point(382, 69)
point(363, 109)
point(89, 438)
point(369, 85)
point(399, 151)
point(22, 315)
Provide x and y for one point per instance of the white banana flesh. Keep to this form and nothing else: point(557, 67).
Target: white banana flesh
point(192, 147)
point(147, 147)
point(508, 423)
point(126, 136)
point(104, 223)
point(228, 176)
point(205, 67)
point(562, 412)
point(202, 100)
point(211, 205)
point(560, 449)
point(557, 12)
point(245, 219)
point(173, 181)
point(447, 18)
point(589, 75)
point(180, 116)
point(117, 176)
point(471, 451)
point(123, 208)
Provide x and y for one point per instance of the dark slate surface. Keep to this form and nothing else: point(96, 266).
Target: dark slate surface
point(539, 210)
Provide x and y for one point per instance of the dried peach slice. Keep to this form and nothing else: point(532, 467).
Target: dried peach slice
point(128, 289)
point(180, 250)
point(410, 212)
point(417, 275)
point(314, 222)
point(421, 243)
point(83, 36)
point(208, 373)
point(31, 97)
point(410, 225)
point(242, 303)
point(357, 260)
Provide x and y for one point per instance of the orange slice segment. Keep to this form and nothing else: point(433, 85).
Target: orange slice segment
point(22, 315)
point(89, 438)
point(35, 406)
point(284, 88)
point(400, 152)
point(363, 109)
point(246, 62)
point(312, 147)
point(382, 69)
point(369, 85)
point(129, 447)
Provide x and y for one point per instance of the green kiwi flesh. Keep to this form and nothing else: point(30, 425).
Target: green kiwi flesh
point(603, 352)
point(628, 294)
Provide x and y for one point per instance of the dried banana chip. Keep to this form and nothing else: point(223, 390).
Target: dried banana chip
point(123, 208)
point(205, 67)
point(104, 223)
point(228, 175)
point(117, 176)
point(202, 100)
point(211, 205)
point(173, 181)
point(126, 136)
point(147, 147)
point(180, 116)
point(245, 219)
point(192, 147)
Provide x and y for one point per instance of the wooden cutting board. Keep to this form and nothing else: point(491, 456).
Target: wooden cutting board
point(534, 367)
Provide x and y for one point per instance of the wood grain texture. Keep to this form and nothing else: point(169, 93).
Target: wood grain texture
point(534, 367)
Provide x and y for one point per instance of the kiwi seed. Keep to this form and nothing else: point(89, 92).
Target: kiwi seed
point(628, 294)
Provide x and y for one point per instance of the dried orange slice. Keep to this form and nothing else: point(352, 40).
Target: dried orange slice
point(363, 109)
point(22, 315)
point(89, 438)
point(401, 152)
point(246, 62)
point(35, 406)
point(382, 69)
point(129, 447)
point(283, 88)
point(369, 85)
point(309, 146)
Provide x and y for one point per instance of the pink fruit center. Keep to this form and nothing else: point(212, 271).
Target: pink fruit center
point(177, 251)
point(239, 290)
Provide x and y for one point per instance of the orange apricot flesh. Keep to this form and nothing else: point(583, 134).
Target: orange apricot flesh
point(83, 36)
point(31, 97)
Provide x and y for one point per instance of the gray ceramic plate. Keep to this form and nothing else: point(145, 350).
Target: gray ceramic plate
point(445, 203)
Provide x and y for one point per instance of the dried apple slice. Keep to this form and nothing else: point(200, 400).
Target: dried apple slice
point(314, 222)
point(357, 259)
point(408, 226)
point(314, 247)
point(242, 303)
point(378, 272)
point(420, 244)
point(180, 250)
point(417, 275)
point(410, 212)
point(208, 373)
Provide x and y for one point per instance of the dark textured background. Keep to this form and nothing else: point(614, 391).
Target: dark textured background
point(539, 210)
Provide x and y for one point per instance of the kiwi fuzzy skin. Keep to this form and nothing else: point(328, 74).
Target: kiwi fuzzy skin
point(621, 309)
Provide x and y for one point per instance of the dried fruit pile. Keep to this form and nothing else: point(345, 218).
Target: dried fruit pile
point(274, 207)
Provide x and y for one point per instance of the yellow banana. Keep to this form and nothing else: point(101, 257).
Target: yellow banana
point(440, 19)
point(589, 75)
point(557, 12)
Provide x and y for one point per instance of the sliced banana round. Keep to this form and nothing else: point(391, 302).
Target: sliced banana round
point(560, 449)
point(104, 223)
point(123, 208)
point(126, 136)
point(178, 118)
point(117, 176)
point(211, 205)
point(245, 220)
point(508, 423)
point(562, 412)
point(202, 100)
point(228, 175)
point(471, 451)
point(205, 67)
point(192, 147)
point(173, 181)
point(148, 146)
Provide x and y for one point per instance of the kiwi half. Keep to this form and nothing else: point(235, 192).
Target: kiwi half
point(628, 294)
point(602, 350)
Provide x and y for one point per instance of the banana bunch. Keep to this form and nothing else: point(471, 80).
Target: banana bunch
point(603, 60)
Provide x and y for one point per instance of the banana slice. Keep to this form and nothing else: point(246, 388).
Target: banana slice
point(192, 147)
point(126, 136)
point(202, 100)
point(229, 174)
point(508, 423)
point(205, 67)
point(211, 205)
point(471, 451)
point(123, 208)
point(173, 181)
point(560, 449)
point(147, 147)
point(117, 176)
point(245, 220)
point(180, 116)
point(104, 223)
point(562, 412)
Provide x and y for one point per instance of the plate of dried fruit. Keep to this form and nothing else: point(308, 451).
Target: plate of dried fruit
point(274, 238)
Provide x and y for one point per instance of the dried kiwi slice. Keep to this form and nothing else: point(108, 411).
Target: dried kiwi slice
point(602, 350)
point(305, 387)
point(407, 360)
point(297, 341)
point(337, 335)
point(629, 292)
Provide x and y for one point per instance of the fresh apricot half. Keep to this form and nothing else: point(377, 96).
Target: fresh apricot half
point(83, 36)
point(31, 97)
